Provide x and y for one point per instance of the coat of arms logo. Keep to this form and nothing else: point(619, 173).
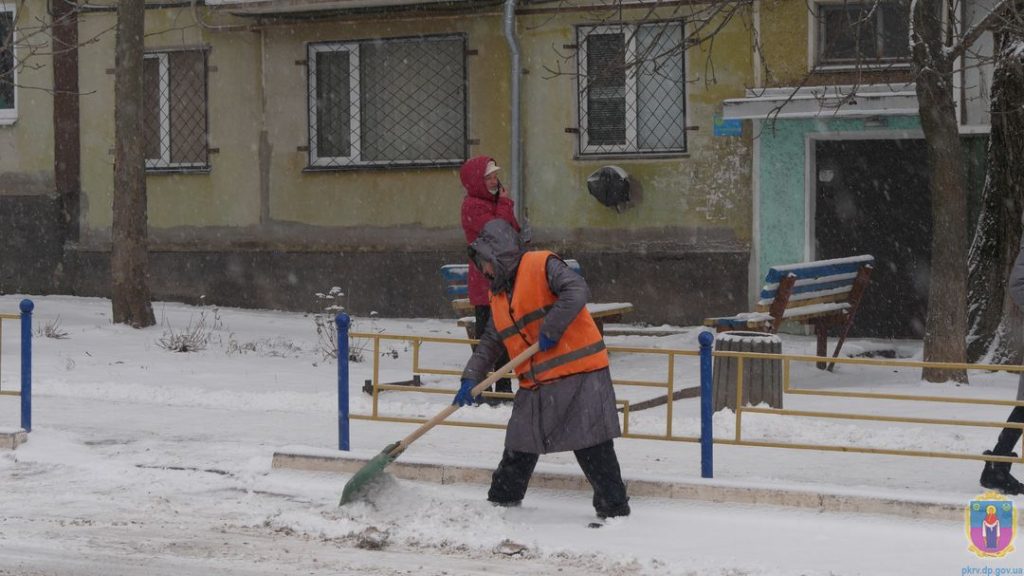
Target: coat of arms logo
point(991, 523)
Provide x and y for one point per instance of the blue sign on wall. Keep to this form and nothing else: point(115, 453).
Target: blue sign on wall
point(725, 127)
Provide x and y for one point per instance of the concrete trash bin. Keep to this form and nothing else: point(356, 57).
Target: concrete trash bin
point(762, 378)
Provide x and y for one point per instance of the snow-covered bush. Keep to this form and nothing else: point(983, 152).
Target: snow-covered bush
point(50, 329)
point(195, 336)
point(327, 330)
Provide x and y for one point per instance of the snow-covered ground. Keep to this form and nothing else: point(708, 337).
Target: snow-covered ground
point(144, 461)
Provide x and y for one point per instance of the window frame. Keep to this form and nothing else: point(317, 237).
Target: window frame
point(164, 163)
point(354, 161)
point(9, 116)
point(355, 129)
point(816, 42)
point(631, 146)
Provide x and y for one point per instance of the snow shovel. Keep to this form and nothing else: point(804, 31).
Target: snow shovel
point(378, 463)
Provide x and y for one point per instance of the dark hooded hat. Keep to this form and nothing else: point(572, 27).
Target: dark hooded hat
point(499, 244)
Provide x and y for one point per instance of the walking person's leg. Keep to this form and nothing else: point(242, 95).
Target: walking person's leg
point(512, 477)
point(996, 475)
point(601, 467)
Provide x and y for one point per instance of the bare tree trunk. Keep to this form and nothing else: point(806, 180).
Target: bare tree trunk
point(995, 321)
point(946, 327)
point(67, 141)
point(129, 258)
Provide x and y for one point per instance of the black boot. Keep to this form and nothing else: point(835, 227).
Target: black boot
point(614, 511)
point(996, 476)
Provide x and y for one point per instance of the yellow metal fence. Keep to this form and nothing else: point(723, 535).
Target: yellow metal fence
point(2, 318)
point(668, 385)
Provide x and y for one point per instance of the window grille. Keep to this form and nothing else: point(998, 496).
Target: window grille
point(6, 59)
point(632, 89)
point(862, 33)
point(388, 103)
point(175, 110)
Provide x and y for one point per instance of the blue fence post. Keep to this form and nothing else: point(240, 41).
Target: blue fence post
point(343, 322)
point(706, 339)
point(26, 364)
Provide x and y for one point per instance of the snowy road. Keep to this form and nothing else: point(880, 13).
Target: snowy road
point(83, 501)
point(148, 462)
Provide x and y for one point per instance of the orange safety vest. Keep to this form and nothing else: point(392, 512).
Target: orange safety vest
point(580, 349)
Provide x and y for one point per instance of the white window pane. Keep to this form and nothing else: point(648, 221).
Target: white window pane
point(605, 79)
point(6, 61)
point(661, 118)
point(333, 117)
point(151, 112)
point(174, 119)
point(895, 32)
point(412, 100)
point(187, 71)
point(854, 33)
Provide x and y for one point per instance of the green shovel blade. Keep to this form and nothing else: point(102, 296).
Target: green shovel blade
point(368, 473)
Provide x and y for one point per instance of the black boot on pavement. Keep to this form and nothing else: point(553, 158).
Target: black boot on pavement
point(614, 511)
point(996, 476)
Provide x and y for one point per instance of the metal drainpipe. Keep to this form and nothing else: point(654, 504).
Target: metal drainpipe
point(517, 162)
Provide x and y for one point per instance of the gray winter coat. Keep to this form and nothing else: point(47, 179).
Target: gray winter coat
point(575, 412)
point(1016, 287)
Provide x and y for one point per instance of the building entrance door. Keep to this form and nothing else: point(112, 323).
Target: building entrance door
point(872, 197)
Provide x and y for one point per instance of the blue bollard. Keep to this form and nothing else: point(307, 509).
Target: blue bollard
point(343, 322)
point(26, 364)
point(706, 340)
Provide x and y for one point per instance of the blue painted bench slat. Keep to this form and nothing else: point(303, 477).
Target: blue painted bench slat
point(845, 283)
point(456, 291)
point(819, 268)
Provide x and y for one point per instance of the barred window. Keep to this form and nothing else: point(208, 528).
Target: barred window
point(851, 33)
point(388, 103)
point(632, 89)
point(174, 110)
point(6, 62)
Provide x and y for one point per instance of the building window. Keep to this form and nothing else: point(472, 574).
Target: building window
point(388, 103)
point(852, 34)
point(8, 110)
point(632, 89)
point(174, 110)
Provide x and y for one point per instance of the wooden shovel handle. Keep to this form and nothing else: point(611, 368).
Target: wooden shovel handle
point(477, 390)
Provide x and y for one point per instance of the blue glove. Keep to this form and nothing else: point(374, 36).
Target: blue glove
point(464, 395)
point(546, 343)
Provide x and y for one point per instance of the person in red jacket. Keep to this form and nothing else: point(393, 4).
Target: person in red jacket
point(486, 199)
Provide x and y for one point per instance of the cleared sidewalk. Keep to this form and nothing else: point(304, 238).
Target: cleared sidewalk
point(548, 477)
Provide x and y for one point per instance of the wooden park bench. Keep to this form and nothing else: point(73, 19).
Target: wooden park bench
point(823, 294)
point(456, 289)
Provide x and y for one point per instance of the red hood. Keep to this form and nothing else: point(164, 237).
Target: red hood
point(472, 177)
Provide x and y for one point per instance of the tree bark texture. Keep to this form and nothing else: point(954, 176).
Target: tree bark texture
point(946, 326)
point(995, 321)
point(66, 132)
point(67, 141)
point(129, 257)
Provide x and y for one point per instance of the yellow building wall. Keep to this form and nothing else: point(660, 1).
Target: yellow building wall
point(785, 29)
point(707, 187)
point(26, 146)
point(378, 198)
point(226, 196)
